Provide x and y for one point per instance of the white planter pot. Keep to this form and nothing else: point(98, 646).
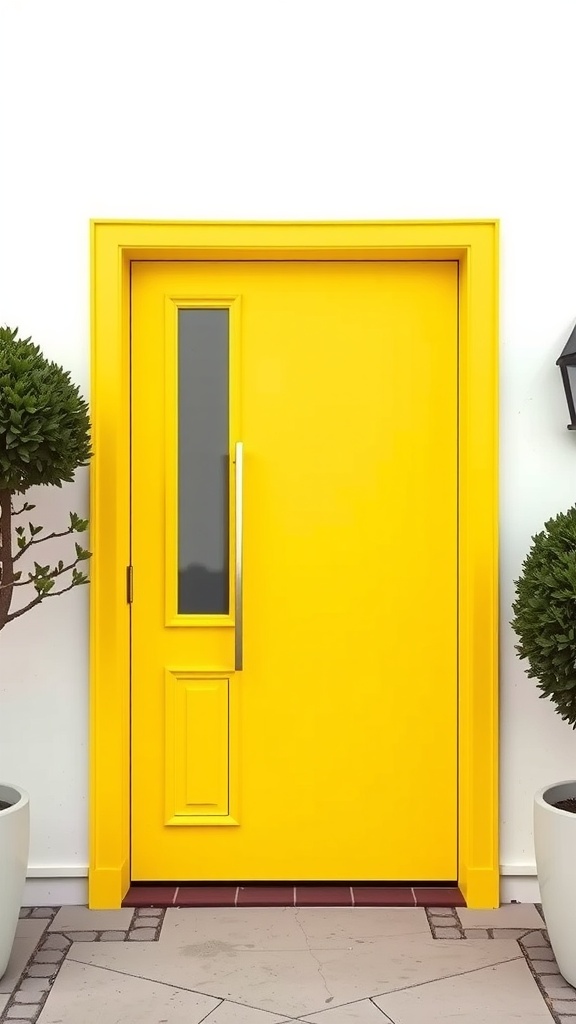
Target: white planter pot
point(14, 840)
point(555, 841)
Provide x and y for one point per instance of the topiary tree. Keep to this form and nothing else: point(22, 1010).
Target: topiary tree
point(44, 438)
point(545, 612)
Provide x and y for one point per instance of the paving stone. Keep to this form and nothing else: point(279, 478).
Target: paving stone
point(554, 992)
point(565, 1019)
point(49, 956)
point(535, 939)
point(18, 1020)
point(144, 923)
point(509, 933)
point(113, 937)
point(27, 997)
point(42, 970)
point(443, 912)
point(149, 912)
point(448, 933)
point(442, 922)
point(476, 933)
point(25, 912)
point(509, 915)
point(143, 935)
point(37, 985)
point(82, 936)
point(79, 919)
point(542, 953)
point(545, 966)
point(56, 942)
point(42, 912)
point(556, 981)
point(20, 1012)
point(563, 1006)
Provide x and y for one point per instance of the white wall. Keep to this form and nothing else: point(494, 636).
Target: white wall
point(308, 109)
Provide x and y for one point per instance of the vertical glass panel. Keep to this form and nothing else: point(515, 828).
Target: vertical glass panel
point(203, 454)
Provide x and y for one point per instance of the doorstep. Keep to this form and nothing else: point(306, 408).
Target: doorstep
point(238, 966)
point(292, 896)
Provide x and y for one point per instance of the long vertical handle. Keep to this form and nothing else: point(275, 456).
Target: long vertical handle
point(239, 588)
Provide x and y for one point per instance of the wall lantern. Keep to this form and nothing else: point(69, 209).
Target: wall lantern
point(567, 364)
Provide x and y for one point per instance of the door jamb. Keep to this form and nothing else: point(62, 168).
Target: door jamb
point(474, 243)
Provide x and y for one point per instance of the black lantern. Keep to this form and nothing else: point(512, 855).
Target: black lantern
point(567, 364)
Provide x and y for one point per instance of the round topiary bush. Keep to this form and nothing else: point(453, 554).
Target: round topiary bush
point(545, 612)
point(44, 425)
point(44, 438)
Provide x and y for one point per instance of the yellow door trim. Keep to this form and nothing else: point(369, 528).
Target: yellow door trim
point(475, 245)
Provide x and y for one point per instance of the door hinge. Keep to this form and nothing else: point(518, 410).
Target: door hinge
point(129, 583)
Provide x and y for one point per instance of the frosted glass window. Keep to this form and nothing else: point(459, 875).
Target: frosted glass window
point(203, 454)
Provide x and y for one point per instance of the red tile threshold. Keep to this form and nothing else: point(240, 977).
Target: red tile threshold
point(324, 896)
point(205, 896)
point(439, 897)
point(149, 896)
point(290, 896)
point(383, 896)
point(265, 896)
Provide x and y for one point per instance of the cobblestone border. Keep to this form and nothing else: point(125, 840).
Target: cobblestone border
point(559, 996)
point(444, 923)
point(33, 988)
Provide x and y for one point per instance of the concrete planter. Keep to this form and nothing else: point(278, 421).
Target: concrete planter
point(14, 840)
point(555, 841)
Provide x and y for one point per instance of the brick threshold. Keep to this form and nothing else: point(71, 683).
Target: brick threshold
point(292, 896)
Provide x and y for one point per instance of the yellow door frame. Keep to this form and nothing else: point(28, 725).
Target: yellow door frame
point(475, 245)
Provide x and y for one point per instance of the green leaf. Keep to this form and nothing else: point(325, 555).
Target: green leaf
point(78, 525)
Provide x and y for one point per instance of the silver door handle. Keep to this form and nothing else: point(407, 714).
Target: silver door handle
point(239, 587)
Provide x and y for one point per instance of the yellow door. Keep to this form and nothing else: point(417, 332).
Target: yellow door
point(294, 596)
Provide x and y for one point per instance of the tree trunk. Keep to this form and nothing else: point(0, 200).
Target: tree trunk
point(6, 559)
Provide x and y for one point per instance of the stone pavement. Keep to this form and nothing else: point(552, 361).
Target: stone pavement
point(351, 965)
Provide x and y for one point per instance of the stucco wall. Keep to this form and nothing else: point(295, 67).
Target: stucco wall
point(311, 109)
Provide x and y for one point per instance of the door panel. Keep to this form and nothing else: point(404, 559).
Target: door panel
point(332, 755)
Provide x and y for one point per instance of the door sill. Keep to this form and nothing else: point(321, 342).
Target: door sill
point(311, 895)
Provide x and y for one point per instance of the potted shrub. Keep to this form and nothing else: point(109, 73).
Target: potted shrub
point(545, 621)
point(44, 437)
